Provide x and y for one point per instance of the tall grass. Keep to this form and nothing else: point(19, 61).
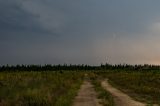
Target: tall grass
point(39, 88)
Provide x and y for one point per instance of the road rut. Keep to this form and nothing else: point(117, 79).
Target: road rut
point(120, 98)
point(86, 96)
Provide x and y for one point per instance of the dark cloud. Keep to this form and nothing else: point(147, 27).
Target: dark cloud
point(15, 22)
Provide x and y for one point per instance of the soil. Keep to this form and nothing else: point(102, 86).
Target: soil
point(86, 95)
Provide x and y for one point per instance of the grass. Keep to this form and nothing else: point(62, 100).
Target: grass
point(39, 88)
point(59, 88)
point(105, 97)
point(142, 85)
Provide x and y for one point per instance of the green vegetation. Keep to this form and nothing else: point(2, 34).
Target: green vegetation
point(39, 88)
point(105, 97)
point(142, 85)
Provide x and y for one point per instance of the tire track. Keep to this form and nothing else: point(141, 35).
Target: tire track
point(86, 96)
point(120, 98)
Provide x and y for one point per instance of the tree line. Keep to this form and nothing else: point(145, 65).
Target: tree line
point(49, 67)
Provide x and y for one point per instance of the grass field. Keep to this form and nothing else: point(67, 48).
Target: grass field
point(58, 88)
point(142, 85)
point(39, 88)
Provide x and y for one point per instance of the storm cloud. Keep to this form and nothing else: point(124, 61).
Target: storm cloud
point(79, 32)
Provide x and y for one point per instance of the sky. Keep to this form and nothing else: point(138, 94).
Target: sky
point(79, 32)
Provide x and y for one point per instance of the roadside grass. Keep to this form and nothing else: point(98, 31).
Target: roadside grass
point(105, 97)
point(141, 85)
point(39, 88)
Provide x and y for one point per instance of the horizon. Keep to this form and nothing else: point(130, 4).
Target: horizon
point(124, 64)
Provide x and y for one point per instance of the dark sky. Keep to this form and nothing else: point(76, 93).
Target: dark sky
point(79, 31)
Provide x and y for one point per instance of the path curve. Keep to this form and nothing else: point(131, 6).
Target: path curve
point(86, 96)
point(120, 98)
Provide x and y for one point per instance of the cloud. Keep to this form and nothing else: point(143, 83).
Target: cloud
point(48, 16)
point(85, 31)
point(16, 22)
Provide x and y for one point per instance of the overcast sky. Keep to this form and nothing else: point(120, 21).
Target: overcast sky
point(79, 31)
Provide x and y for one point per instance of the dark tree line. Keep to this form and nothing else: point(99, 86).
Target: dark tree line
point(47, 67)
point(59, 67)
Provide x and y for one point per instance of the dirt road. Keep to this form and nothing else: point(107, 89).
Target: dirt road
point(120, 98)
point(86, 96)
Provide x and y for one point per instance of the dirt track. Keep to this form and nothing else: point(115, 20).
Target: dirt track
point(86, 96)
point(120, 98)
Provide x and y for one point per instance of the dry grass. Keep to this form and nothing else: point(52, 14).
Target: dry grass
point(39, 88)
